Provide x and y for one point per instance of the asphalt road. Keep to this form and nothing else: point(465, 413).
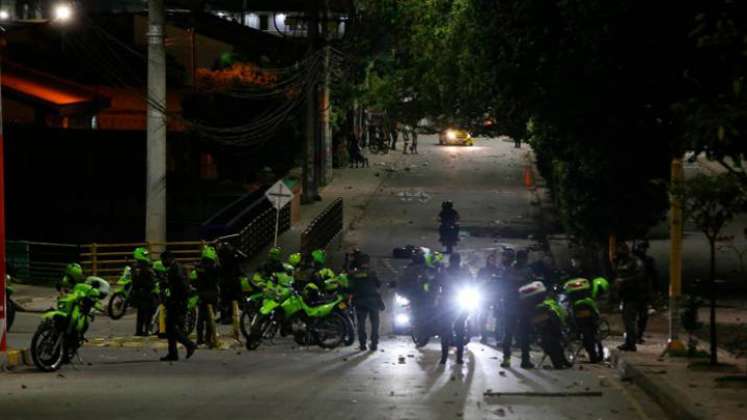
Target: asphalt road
point(397, 382)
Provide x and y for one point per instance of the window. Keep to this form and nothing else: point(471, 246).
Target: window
point(264, 22)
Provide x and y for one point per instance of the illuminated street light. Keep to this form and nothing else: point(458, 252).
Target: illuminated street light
point(4, 15)
point(63, 12)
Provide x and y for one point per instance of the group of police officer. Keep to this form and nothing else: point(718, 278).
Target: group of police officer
point(498, 283)
point(432, 286)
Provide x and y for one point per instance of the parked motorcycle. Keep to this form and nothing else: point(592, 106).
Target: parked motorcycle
point(120, 299)
point(548, 320)
point(285, 311)
point(62, 330)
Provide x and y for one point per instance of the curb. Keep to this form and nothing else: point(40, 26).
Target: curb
point(675, 403)
point(14, 358)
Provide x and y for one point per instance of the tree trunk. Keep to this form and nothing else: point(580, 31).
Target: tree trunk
point(714, 343)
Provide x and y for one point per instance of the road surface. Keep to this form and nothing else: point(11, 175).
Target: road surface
point(281, 381)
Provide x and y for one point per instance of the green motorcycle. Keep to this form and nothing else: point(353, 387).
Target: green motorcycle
point(254, 293)
point(120, 299)
point(284, 309)
point(62, 330)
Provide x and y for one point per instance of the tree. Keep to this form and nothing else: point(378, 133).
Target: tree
point(710, 202)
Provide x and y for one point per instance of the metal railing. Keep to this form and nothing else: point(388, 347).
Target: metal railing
point(323, 228)
point(40, 262)
point(261, 231)
point(108, 260)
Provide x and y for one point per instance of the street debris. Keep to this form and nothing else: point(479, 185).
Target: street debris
point(489, 393)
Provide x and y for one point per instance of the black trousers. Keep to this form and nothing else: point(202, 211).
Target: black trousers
point(175, 329)
point(205, 327)
point(146, 308)
point(630, 312)
point(642, 318)
point(516, 324)
point(452, 334)
point(588, 329)
point(363, 312)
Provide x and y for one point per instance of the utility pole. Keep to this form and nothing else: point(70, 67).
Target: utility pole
point(155, 200)
point(326, 110)
point(3, 297)
point(311, 158)
point(675, 258)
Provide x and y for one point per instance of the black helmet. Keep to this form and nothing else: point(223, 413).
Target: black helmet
point(447, 204)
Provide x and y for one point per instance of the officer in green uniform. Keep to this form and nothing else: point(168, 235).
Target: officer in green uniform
point(143, 285)
point(206, 276)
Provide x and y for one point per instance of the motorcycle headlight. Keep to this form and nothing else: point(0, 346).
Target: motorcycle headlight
point(401, 300)
point(451, 135)
point(468, 299)
point(402, 320)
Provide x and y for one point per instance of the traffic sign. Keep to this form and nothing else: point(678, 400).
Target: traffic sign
point(279, 195)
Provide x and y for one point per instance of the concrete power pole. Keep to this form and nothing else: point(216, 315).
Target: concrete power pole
point(325, 105)
point(155, 200)
point(311, 158)
point(675, 259)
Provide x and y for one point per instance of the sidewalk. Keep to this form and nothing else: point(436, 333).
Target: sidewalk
point(685, 387)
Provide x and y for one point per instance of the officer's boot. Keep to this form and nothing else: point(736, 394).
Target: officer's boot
point(460, 354)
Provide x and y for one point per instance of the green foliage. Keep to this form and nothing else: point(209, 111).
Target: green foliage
point(710, 202)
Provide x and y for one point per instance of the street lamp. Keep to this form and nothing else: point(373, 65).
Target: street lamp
point(4, 15)
point(63, 12)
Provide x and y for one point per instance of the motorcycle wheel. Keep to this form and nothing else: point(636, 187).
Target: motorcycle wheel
point(330, 332)
point(603, 330)
point(190, 321)
point(420, 340)
point(257, 327)
point(11, 314)
point(117, 305)
point(246, 318)
point(46, 347)
point(349, 329)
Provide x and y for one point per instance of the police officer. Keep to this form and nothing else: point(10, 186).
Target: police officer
point(367, 301)
point(73, 275)
point(453, 320)
point(207, 276)
point(274, 263)
point(143, 288)
point(230, 283)
point(487, 278)
point(516, 317)
point(175, 293)
point(649, 288)
point(630, 273)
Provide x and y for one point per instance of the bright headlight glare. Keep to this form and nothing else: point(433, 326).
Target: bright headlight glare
point(451, 135)
point(401, 300)
point(63, 12)
point(402, 320)
point(468, 299)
